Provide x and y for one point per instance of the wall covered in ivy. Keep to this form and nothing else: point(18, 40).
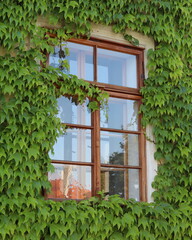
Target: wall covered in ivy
point(28, 126)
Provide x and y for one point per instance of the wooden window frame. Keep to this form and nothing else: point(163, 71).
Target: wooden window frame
point(117, 92)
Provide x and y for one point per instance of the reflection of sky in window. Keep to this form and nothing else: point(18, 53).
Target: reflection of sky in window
point(118, 143)
point(109, 145)
point(113, 67)
point(134, 184)
point(117, 68)
point(58, 149)
point(69, 112)
point(89, 66)
point(75, 145)
point(103, 74)
point(122, 114)
point(73, 67)
point(80, 60)
point(104, 149)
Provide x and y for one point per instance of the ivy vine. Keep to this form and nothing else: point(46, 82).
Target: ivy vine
point(28, 126)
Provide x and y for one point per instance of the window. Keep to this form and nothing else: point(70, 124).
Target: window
point(98, 152)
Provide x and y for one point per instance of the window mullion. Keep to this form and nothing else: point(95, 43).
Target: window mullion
point(143, 183)
point(140, 70)
point(95, 63)
point(126, 162)
point(96, 151)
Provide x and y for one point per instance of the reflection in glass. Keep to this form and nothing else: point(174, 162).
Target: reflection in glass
point(69, 112)
point(121, 181)
point(117, 68)
point(70, 182)
point(122, 114)
point(80, 60)
point(119, 148)
point(75, 145)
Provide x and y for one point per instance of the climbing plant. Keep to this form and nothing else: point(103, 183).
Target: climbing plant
point(29, 128)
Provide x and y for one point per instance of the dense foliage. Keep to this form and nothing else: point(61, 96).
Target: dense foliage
point(28, 126)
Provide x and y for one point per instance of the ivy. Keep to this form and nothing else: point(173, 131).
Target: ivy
point(29, 128)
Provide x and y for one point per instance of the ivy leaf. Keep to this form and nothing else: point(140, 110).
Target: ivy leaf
point(23, 72)
point(143, 222)
point(133, 232)
point(137, 210)
point(147, 235)
point(127, 219)
point(73, 4)
point(129, 18)
point(33, 151)
point(8, 89)
point(55, 229)
point(117, 235)
point(17, 157)
point(2, 153)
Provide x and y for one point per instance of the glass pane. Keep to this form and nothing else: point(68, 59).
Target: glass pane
point(80, 60)
point(69, 112)
point(70, 182)
point(75, 145)
point(117, 68)
point(121, 181)
point(119, 148)
point(122, 114)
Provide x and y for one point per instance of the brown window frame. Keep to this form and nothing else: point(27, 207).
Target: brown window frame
point(117, 92)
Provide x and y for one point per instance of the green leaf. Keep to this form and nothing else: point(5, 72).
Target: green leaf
point(73, 4)
point(133, 232)
point(33, 151)
point(8, 89)
point(127, 219)
point(116, 236)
